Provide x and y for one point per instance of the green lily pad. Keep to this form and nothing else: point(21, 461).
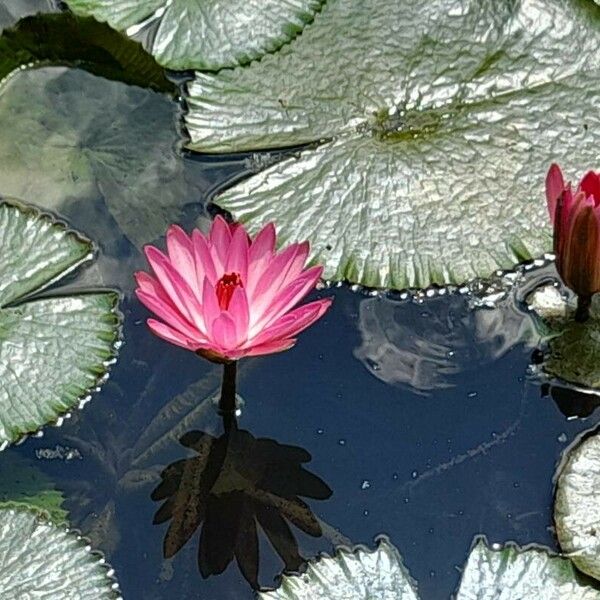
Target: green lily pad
point(576, 506)
point(93, 46)
point(352, 574)
point(512, 573)
point(41, 560)
point(573, 349)
point(53, 351)
point(211, 35)
point(436, 127)
point(91, 142)
point(23, 485)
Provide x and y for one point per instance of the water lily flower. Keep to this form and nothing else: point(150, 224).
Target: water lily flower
point(576, 219)
point(225, 295)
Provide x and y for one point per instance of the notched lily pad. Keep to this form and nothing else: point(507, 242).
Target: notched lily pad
point(187, 34)
point(55, 350)
point(351, 574)
point(435, 135)
point(577, 504)
point(512, 573)
point(42, 560)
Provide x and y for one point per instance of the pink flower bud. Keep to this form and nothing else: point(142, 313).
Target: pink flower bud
point(576, 219)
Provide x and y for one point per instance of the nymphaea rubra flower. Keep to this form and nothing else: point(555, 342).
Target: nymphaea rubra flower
point(576, 219)
point(225, 295)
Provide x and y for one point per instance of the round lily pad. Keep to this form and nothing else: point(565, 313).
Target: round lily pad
point(213, 34)
point(577, 506)
point(42, 560)
point(54, 350)
point(435, 127)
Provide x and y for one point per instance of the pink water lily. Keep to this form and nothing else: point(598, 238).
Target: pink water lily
point(576, 219)
point(226, 295)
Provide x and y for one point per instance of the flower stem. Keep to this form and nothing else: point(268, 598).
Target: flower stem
point(228, 387)
point(582, 314)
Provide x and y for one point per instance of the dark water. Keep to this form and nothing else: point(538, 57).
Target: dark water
point(420, 417)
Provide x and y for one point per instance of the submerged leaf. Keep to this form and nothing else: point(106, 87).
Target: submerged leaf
point(186, 34)
point(439, 121)
point(352, 574)
point(42, 560)
point(90, 141)
point(577, 504)
point(512, 573)
point(53, 351)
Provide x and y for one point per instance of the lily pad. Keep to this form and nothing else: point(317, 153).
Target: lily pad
point(352, 574)
point(573, 349)
point(512, 573)
point(93, 46)
point(186, 34)
point(41, 560)
point(53, 351)
point(24, 485)
point(577, 503)
point(436, 126)
point(93, 142)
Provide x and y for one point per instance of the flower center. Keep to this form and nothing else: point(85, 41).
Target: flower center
point(225, 288)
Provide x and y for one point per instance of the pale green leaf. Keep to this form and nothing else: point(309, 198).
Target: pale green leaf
point(511, 573)
point(43, 561)
point(53, 351)
point(577, 504)
point(213, 34)
point(439, 120)
point(356, 574)
point(24, 485)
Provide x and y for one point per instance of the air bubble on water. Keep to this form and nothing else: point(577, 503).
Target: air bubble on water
point(320, 431)
point(496, 546)
point(414, 474)
point(432, 574)
point(516, 484)
point(395, 476)
point(450, 353)
point(562, 438)
point(366, 512)
point(342, 442)
point(471, 394)
point(365, 485)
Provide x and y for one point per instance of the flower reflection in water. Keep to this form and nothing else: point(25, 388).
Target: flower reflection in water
point(234, 484)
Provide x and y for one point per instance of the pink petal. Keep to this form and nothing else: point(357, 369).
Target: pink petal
point(292, 323)
point(285, 299)
point(555, 185)
point(210, 305)
point(224, 333)
point(280, 270)
point(167, 333)
point(590, 184)
point(260, 255)
point(170, 315)
point(175, 287)
point(149, 284)
point(220, 238)
point(268, 348)
point(237, 259)
point(181, 254)
point(239, 312)
point(202, 257)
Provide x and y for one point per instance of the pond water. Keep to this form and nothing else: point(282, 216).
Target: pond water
point(421, 417)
